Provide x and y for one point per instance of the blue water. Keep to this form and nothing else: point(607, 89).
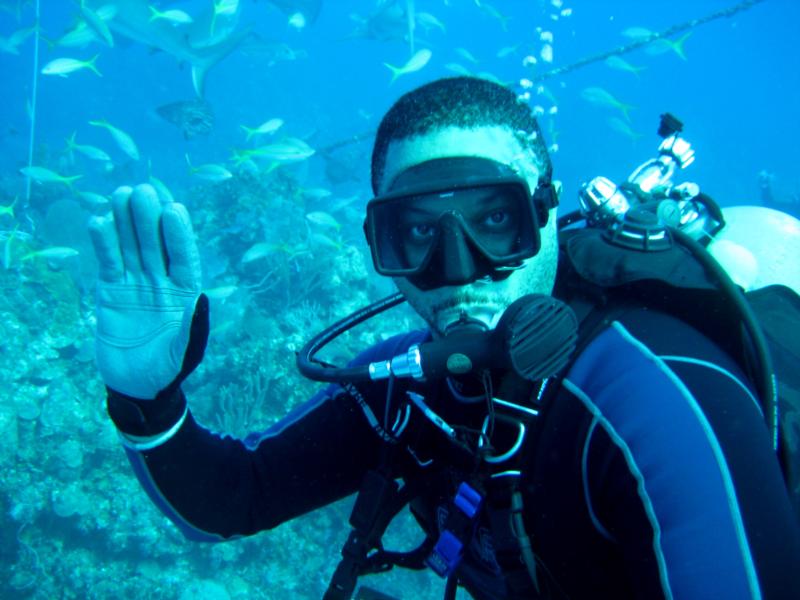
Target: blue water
point(737, 94)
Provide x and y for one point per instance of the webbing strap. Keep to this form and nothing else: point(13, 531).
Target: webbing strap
point(378, 502)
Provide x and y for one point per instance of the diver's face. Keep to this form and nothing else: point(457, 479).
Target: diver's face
point(482, 301)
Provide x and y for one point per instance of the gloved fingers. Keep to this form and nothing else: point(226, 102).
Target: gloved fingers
point(107, 249)
point(146, 211)
point(184, 257)
point(123, 218)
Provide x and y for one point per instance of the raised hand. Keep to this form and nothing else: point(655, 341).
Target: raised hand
point(152, 320)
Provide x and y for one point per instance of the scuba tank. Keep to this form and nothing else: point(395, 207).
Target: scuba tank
point(759, 247)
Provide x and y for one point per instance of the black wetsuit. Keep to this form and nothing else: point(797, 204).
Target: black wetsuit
point(651, 474)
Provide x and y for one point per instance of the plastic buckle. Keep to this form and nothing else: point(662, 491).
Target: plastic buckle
point(446, 554)
point(468, 500)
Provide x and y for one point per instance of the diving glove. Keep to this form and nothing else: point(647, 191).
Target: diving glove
point(152, 320)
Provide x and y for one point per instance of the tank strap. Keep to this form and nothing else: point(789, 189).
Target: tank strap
point(378, 502)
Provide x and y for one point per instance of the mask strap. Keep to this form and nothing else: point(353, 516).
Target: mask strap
point(545, 196)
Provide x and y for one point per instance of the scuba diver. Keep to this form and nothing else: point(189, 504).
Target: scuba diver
point(788, 203)
point(569, 425)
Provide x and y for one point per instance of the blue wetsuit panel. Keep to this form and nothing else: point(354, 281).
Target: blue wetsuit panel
point(655, 476)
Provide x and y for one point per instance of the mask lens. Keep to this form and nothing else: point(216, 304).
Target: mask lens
point(496, 221)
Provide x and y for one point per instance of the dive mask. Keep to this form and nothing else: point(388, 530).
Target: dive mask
point(452, 221)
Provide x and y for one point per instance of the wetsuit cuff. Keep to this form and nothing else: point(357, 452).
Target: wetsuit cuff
point(144, 421)
point(140, 444)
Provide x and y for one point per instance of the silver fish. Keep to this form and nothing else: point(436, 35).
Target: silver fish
point(323, 219)
point(123, 140)
point(54, 252)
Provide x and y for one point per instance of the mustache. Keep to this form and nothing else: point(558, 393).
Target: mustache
point(466, 298)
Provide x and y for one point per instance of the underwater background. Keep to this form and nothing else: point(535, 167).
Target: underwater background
point(278, 217)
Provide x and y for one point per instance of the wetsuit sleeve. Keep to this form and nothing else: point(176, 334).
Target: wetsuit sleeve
point(678, 470)
point(215, 487)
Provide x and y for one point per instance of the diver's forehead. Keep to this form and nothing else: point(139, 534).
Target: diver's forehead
point(496, 143)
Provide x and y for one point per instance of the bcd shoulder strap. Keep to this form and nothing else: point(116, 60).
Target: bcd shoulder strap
point(595, 276)
point(778, 310)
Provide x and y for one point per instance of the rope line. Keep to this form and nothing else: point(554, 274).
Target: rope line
point(667, 33)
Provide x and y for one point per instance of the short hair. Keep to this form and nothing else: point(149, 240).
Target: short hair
point(466, 102)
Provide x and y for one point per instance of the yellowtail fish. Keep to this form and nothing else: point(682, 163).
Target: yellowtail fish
point(467, 55)
point(458, 69)
point(210, 172)
point(267, 127)
point(89, 151)
point(507, 51)
point(428, 22)
point(43, 175)
point(83, 33)
point(495, 14)
point(123, 140)
point(664, 45)
point(323, 219)
point(94, 201)
point(53, 252)
point(64, 66)
point(164, 194)
point(415, 63)
point(172, 16)
point(343, 203)
point(97, 24)
point(11, 43)
point(638, 34)
point(257, 251)
point(317, 193)
point(620, 64)
point(624, 128)
point(288, 150)
point(79, 36)
point(600, 97)
point(658, 45)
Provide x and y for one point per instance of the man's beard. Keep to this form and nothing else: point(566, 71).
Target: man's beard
point(465, 305)
point(481, 301)
point(466, 298)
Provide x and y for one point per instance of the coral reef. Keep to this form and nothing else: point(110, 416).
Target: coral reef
point(76, 522)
